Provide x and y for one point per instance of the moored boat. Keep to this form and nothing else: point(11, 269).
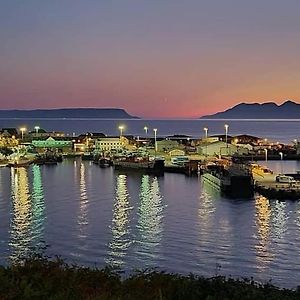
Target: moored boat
point(18, 163)
point(229, 181)
point(155, 165)
point(105, 162)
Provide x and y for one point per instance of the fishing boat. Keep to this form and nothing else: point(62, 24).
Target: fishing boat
point(48, 158)
point(231, 181)
point(105, 162)
point(147, 164)
point(20, 162)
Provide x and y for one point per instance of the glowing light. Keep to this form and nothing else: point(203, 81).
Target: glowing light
point(120, 224)
point(22, 129)
point(121, 128)
point(146, 129)
point(150, 216)
point(205, 131)
point(37, 128)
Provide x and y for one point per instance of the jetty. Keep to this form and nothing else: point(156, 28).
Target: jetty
point(268, 185)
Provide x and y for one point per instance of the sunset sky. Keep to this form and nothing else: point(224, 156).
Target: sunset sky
point(155, 58)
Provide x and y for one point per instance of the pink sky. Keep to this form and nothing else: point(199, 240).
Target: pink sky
point(153, 59)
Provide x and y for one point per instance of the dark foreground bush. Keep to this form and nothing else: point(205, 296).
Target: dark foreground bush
point(40, 278)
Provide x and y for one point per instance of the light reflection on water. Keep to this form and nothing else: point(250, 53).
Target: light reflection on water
point(92, 215)
point(120, 227)
point(27, 222)
point(263, 216)
point(83, 206)
point(150, 219)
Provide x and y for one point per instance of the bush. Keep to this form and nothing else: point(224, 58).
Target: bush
point(42, 278)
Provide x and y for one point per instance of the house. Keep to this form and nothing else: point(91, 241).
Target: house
point(55, 144)
point(216, 148)
point(167, 145)
point(107, 144)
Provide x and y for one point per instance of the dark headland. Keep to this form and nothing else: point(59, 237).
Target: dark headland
point(68, 113)
point(268, 110)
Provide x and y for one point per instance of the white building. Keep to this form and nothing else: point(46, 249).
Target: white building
point(107, 144)
point(216, 149)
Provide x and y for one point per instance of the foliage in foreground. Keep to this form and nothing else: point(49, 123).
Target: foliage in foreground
point(41, 278)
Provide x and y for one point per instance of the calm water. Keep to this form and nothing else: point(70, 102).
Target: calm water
point(90, 215)
point(283, 131)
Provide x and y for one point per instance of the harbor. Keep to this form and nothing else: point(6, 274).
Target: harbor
point(224, 161)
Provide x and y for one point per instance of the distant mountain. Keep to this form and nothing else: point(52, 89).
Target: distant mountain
point(109, 113)
point(269, 110)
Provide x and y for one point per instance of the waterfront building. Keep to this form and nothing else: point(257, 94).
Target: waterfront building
point(55, 144)
point(86, 142)
point(107, 144)
point(167, 145)
point(216, 149)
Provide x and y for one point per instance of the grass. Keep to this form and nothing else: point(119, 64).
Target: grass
point(42, 278)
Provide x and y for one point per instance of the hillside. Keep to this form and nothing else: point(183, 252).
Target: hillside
point(109, 113)
point(268, 110)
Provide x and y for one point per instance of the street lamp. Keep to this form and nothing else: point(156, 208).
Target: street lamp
point(37, 128)
point(281, 158)
point(146, 130)
point(23, 129)
point(266, 154)
point(121, 128)
point(205, 131)
point(155, 142)
point(226, 133)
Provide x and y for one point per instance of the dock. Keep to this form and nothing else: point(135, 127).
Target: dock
point(278, 190)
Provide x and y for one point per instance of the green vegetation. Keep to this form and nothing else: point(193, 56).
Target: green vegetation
point(41, 278)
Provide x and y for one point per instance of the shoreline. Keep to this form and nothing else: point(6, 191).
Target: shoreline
point(40, 277)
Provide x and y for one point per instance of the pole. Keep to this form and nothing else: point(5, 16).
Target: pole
point(155, 142)
point(266, 154)
point(226, 134)
point(281, 158)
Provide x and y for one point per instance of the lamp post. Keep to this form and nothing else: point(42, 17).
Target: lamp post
point(266, 154)
point(226, 126)
point(146, 130)
point(37, 128)
point(205, 132)
point(121, 128)
point(155, 142)
point(281, 158)
point(206, 135)
point(23, 129)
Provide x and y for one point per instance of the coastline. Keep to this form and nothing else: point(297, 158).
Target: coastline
point(42, 278)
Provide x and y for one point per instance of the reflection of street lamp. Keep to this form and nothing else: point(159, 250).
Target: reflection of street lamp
point(146, 130)
point(23, 129)
point(155, 143)
point(205, 131)
point(266, 154)
point(226, 134)
point(121, 128)
point(37, 128)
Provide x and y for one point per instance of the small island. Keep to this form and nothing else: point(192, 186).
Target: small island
point(268, 110)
